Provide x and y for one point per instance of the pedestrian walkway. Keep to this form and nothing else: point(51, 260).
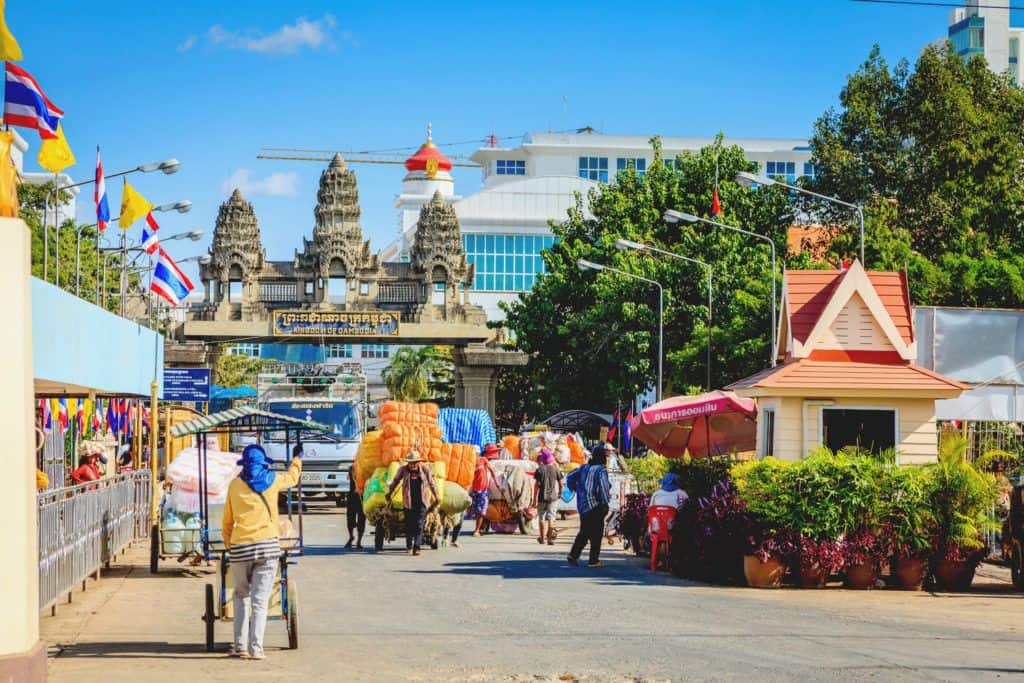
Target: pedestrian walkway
point(506, 608)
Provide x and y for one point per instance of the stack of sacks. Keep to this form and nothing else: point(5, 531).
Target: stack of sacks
point(405, 426)
point(511, 444)
point(377, 487)
point(462, 425)
point(454, 500)
point(558, 444)
point(368, 459)
point(460, 459)
point(183, 474)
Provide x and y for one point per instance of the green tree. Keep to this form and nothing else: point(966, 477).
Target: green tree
point(593, 338)
point(420, 374)
point(233, 371)
point(32, 199)
point(934, 155)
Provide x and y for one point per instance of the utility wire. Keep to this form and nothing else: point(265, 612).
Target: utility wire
point(927, 3)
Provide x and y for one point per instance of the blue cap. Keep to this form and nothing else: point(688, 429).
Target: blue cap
point(254, 454)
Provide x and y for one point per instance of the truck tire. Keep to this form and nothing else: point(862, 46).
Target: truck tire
point(378, 537)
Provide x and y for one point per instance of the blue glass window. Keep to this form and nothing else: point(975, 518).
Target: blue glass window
point(638, 163)
point(809, 169)
point(374, 351)
point(339, 350)
point(783, 169)
point(245, 349)
point(594, 168)
point(506, 263)
point(510, 167)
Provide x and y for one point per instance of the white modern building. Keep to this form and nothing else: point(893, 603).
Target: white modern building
point(983, 28)
point(506, 223)
point(65, 210)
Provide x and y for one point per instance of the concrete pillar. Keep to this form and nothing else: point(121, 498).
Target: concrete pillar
point(475, 387)
point(22, 654)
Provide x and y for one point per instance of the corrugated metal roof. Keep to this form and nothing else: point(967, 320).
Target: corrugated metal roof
point(810, 374)
point(241, 414)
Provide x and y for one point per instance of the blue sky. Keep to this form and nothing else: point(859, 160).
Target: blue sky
point(212, 83)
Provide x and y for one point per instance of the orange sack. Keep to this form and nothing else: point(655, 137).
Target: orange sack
point(576, 453)
point(511, 444)
point(396, 411)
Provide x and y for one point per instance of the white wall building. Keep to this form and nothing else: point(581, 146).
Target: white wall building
point(506, 224)
point(980, 28)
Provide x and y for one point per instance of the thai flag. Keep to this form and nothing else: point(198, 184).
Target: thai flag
point(62, 417)
point(150, 241)
point(169, 283)
point(44, 403)
point(97, 417)
point(80, 417)
point(25, 104)
point(100, 196)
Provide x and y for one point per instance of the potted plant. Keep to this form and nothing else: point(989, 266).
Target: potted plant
point(863, 551)
point(962, 499)
point(769, 552)
point(817, 561)
point(721, 528)
point(910, 518)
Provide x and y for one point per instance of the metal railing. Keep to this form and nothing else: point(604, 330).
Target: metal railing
point(51, 460)
point(82, 527)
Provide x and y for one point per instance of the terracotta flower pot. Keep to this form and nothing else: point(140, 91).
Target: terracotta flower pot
point(814, 576)
point(862, 576)
point(763, 574)
point(911, 573)
point(954, 575)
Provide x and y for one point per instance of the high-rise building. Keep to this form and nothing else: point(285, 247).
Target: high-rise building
point(980, 28)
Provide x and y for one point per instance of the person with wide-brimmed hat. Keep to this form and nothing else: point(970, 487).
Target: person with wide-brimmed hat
point(418, 492)
point(250, 531)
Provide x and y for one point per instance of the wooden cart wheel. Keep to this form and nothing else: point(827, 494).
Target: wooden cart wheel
point(378, 537)
point(292, 622)
point(154, 550)
point(210, 617)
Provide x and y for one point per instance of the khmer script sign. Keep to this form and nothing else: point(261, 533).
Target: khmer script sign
point(335, 324)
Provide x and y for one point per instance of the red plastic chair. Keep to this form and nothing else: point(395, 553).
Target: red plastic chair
point(664, 515)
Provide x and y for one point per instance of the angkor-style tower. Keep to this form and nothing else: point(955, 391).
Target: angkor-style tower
point(437, 254)
point(237, 254)
point(337, 237)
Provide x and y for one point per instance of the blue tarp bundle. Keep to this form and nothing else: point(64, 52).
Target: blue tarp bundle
point(462, 425)
point(219, 392)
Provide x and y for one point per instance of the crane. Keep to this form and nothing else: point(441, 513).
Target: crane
point(395, 157)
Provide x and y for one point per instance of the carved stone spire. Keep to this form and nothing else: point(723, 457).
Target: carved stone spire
point(337, 234)
point(437, 251)
point(236, 240)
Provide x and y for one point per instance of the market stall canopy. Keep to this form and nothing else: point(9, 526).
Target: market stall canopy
point(229, 393)
point(577, 421)
point(245, 418)
point(714, 423)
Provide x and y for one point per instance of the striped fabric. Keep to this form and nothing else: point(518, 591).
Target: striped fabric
point(462, 425)
point(205, 423)
point(260, 550)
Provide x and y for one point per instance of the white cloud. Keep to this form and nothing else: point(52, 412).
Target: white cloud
point(274, 185)
point(189, 43)
point(287, 39)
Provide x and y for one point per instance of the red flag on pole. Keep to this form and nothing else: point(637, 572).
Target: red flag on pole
point(716, 206)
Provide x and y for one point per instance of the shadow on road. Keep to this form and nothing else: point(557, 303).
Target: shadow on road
point(148, 649)
point(613, 573)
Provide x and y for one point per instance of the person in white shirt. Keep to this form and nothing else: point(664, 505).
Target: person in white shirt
point(670, 494)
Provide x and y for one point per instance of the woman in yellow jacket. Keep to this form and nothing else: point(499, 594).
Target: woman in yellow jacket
point(250, 531)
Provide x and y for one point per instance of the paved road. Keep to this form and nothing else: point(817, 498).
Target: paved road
point(506, 608)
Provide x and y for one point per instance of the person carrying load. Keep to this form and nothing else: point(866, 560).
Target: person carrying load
point(483, 475)
point(250, 529)
point(417, 484)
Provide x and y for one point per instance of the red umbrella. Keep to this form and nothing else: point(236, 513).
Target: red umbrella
point(714, 423)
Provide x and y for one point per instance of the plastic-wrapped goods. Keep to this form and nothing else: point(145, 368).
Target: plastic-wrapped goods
point(183, 473)
point(509, 471)
point(577, 454)
point(377, 486)
point(498, 511)
point(408, 413)
point(368, 459)
point(460, 459)
point(455, 500)
point(173, 531)
point(511, 444)
point(463, 425)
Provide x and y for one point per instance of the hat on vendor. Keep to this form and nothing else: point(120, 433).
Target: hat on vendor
point(253, 455)
point(492, 451)
point(413, 456)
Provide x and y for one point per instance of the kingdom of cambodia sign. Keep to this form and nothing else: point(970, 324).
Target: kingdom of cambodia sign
point(335, 324)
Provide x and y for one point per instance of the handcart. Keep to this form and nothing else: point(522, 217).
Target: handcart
point(284, 603)
point(389, 524)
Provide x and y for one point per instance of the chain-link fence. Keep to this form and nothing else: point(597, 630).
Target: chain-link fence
point(82, 527)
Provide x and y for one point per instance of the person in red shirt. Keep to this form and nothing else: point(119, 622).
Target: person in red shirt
point(482, 477)
point(88, 468)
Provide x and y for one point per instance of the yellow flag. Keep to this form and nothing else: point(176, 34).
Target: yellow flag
point(133, 206)
point(55, 155)
point(9, 49)
point(8, 177)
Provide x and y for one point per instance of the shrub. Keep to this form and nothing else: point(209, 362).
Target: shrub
point(961, 500)
point(699, 476)
point(648, 471)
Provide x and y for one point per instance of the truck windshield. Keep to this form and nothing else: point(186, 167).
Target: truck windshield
point(340, 416)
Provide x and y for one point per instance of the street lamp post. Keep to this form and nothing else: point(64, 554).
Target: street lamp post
point(124, 249)
point(622, 244)
point(673, 216)
point(748, 179)
point(181, 207)
point(583, 264)
point(202, 259)
point(167, 167)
